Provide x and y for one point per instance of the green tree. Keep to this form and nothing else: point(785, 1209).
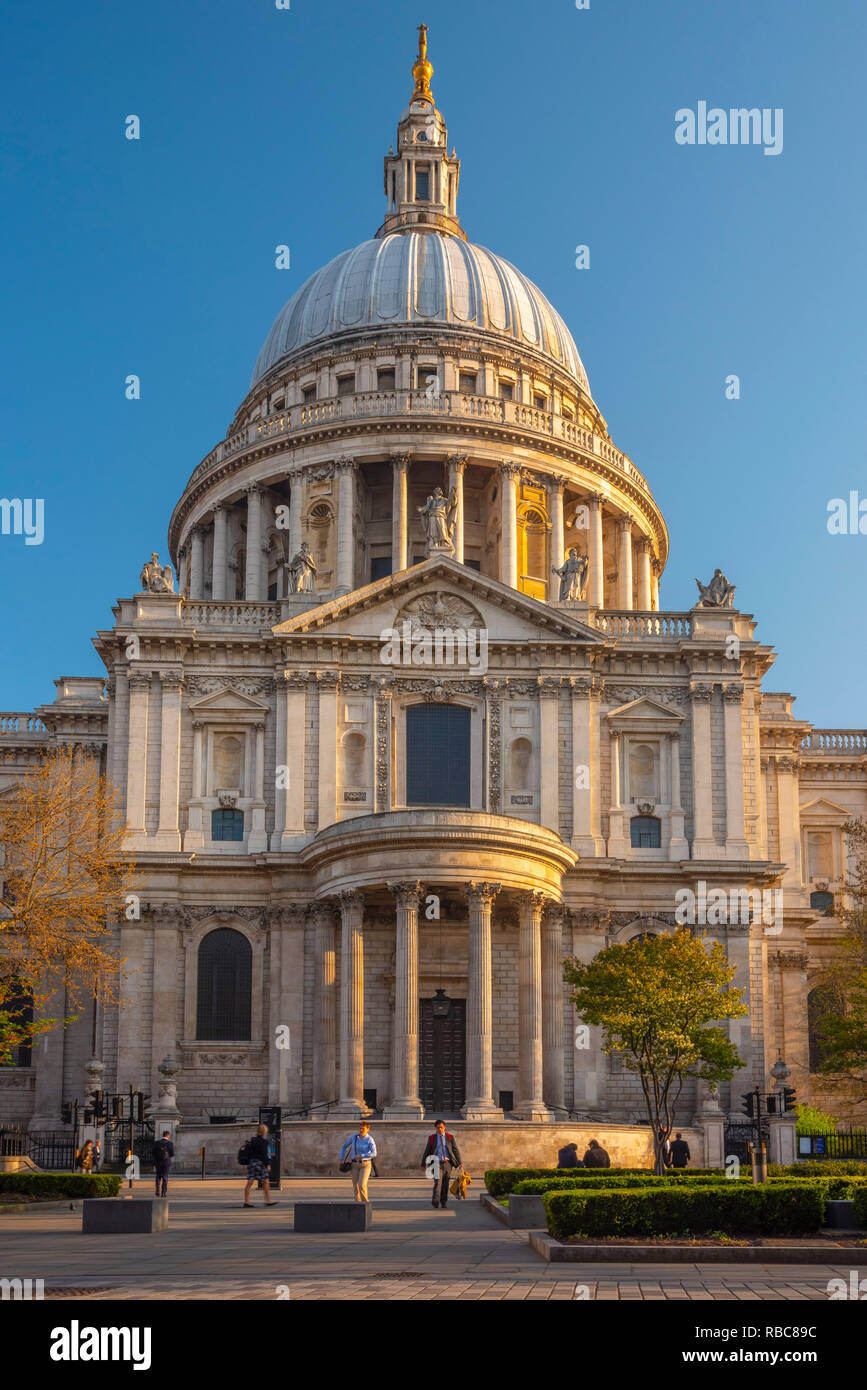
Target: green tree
point(842, 1032)
point(813, 1121)
point(659, 1001)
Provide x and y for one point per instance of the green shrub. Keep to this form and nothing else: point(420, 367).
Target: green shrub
point(59, 1184)
point(813, 1121)
point(861, 1206)
point(595, 1183)
point(499, 1181)
point(735, 1209)
point(822, 1167)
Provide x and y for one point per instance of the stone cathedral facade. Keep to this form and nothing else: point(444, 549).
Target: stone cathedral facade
point(389, 755)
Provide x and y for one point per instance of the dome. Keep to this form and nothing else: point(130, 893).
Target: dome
point(422, 279)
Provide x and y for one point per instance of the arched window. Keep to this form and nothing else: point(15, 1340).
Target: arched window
point(225, 987)
point(354, 747)
point(227, 824)
point(437, 755)
point(643, 781)
point(822, 1002)
point(519, 761)
point(645, 832)
point(228, 765)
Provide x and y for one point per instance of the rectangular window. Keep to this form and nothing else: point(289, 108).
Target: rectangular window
point(346, 385)
point(474, 565)
point(422, 185)
point(469, 383)
point(540, 402)
point(227, 824)
point(507, 391)
point(385, 379)
point(380, 567)
point(308, 395)
point(437, 755)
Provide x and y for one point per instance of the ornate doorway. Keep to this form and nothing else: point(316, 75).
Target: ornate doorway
point(442, 1058)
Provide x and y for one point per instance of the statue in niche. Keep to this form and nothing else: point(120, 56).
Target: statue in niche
point(438, 519)
point(302, 568)
point(573, 576)
point(718, 593)
point(156, 578)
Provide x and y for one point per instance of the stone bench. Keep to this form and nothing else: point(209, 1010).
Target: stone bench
point(124, 1215)
point(332, 1217)
point(526, 1212)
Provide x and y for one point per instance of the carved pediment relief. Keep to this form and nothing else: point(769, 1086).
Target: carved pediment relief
point(644, 716)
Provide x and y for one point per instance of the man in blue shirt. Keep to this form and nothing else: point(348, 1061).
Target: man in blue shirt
point(443, 1148)
point(360, 1151)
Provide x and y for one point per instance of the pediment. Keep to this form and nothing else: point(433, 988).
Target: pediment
point(441, 592)
point(645, 714)
point(228, 701)
point(820, 808)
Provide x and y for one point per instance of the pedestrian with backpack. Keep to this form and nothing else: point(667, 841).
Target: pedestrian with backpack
point(164, 1152)
point(255, 1155)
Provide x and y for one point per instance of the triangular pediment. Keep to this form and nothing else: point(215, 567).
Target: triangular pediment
point(642, 712)
point(821, 808)
point(227, 701)
point(443, 586)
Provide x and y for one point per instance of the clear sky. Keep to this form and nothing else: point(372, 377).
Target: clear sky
point(262, 126)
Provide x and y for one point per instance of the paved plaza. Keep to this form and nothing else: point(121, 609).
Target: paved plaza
point(214, 1249)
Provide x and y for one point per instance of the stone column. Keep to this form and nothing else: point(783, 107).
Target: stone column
point(184, 572)
point(558, 543)
point(596, 585)
point(586, 803)
point(678, 849)
point(617, 816)
point(654, 587)
point(712, 1122)
point(351, 1104)
point(549, 720)
point(787, 819)
point(253, 565)
point(703, 844)
point(456, 464)
point(168, 835)
point(479, 1104)
point(509, 524)
point(645, 601)
point(531, 1105)
point(292, 744)
point(345, 524)
point(328, 682)
point(296, 488)
point(197, 563)
point(736, 843)
point(624, 565)
point(552, 1010)
point(405, 1102)
point(399, 523)
point(136, 772)
point(323, 918)
point(257, 838)
point(165, 924)
point(220, 568)
point(285, 984)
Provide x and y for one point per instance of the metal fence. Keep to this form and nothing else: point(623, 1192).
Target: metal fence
point(52, 1149)
point(851, 1143)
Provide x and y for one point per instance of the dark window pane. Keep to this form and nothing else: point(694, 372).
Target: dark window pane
point(380, 567)
point(822, 902)
point(422, 185)
point(474, 565)
point(385, 379)
point(227, 825)
point(646, 832)
point(507, 390)
point(225, 978)
point(308, 394)
point(345, 385)
point(438, 755)
point(468, 382)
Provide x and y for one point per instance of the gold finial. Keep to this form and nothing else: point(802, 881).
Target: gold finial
point(422, 69)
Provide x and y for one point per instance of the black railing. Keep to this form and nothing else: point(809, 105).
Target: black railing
point(851, 1143)
point(53, 1149)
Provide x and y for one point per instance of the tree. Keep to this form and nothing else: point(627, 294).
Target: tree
point(813, 1121)
point(659, 1001)
point(64, 874)
point(842, 1032)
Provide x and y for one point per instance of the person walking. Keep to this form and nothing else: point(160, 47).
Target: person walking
point(679, 1152)
point(596, 1157)
point(358, 1152)
point(85, 1158)
point(97, 1155)
point(441, 1146)
point(259, 1166)
point(164, 1152)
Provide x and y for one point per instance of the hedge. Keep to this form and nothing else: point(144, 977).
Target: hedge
point(500, 1181)
point(594, 1182)
point(820, 1168)
point(686, 1210)
point(860, 1196)
point(60, 1184)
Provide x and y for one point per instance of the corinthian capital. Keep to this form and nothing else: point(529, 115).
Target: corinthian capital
point(408, 892)
point(481, 894)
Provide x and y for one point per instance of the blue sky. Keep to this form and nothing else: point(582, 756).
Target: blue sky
point(263, 126)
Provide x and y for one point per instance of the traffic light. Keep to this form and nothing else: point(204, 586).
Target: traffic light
point(117, 1107)
point(789, 1098)
point(66, 1113)
point(749, 1105)
point(139, 1108)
